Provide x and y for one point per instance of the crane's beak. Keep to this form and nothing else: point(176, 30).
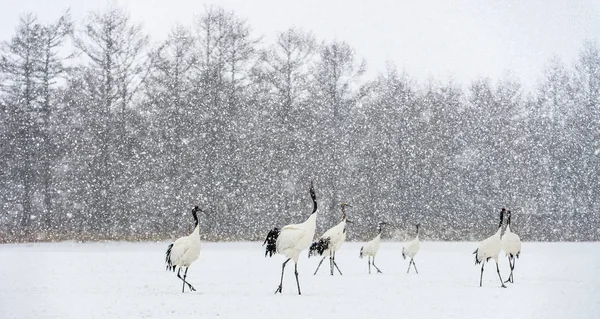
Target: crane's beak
point(349, 221)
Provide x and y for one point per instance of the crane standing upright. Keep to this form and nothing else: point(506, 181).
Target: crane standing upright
point(411, 249)
point(490, 248)
point(184, 251)
point(511, 243)
point(292, 239)
point(371, 248)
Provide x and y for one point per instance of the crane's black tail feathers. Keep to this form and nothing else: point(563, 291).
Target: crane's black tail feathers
point(168, 259)
point(319, 246)
point(403, 255)
point(271, 242)
point(361, 252)
point(518, 254)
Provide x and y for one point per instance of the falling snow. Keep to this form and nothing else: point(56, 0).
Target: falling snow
point(120, 139)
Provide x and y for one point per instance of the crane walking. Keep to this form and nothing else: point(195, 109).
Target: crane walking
point(411, 249)
point(184, 251)
point(371, 248)
point(490, 248)
point(292, 239)
point(511, 243)
point(330, 242)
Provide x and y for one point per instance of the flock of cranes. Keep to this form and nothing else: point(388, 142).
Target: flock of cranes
point(292, 239)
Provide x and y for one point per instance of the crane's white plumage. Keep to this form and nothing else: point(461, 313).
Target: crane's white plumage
point(490, 248)
point(184, 251)
point(295, 238)
point(292, 239)
point(371, 248)
point(411, 249)
point(330, 242)
point(511, 244)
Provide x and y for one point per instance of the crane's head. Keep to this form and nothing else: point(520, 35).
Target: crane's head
point(195, 211)
point(380, 226)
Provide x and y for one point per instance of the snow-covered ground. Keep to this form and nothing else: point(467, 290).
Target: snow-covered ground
point(234, 280)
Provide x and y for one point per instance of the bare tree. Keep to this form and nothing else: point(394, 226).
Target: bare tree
point(117, 51)
point(19, 62)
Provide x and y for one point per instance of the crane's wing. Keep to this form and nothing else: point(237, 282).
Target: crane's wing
point(177, 250)
point(334, 232)
point(289, 236)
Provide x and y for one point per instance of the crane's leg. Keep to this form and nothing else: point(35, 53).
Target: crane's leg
point(183, 279)
point(481, 277)
point(414, 265)
point(511, 263)
point(511, 266)
point(409, 262)
point(369, 262)
point(378, 271)
point(297, 281)
point(335, 264)
point(512, 279)
point(330, 264)
point(281, 282)
point(499, 276)
point(185, 276)
point(319, 266)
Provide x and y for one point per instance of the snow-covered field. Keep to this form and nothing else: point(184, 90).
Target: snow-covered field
point(234, 280)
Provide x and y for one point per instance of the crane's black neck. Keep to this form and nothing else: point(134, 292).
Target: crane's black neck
point(508, 220)
point(418, 229)
point(501, 218)
point(195, 215)
point(314, 199)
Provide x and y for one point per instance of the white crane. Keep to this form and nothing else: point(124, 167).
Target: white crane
point(490, 248)
point(370, 248)
point(330, 242)
point(511, 243)
point(411, 249)
point(292, 239)
point(184, 251)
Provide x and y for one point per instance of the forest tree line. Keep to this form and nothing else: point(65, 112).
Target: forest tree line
point(105, 134)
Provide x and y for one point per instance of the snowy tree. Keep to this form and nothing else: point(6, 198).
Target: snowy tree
point(587, 120)
point(20, 64)
point(335, 92)
point(52, 68)
point(117, 52)
point(170, 96)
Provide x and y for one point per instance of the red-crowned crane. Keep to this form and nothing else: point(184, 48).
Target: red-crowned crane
point(411, 249)
point(511, 243)
point(184, 251)
point(370, 248)
point(330, 242)
point(490, 248)
point(292, 239)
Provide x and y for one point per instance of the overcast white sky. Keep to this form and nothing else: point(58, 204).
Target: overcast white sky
point(442, 38)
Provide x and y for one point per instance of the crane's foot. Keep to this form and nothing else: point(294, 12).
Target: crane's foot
point(191, 287)
point(503, 286)
point(278, 289)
